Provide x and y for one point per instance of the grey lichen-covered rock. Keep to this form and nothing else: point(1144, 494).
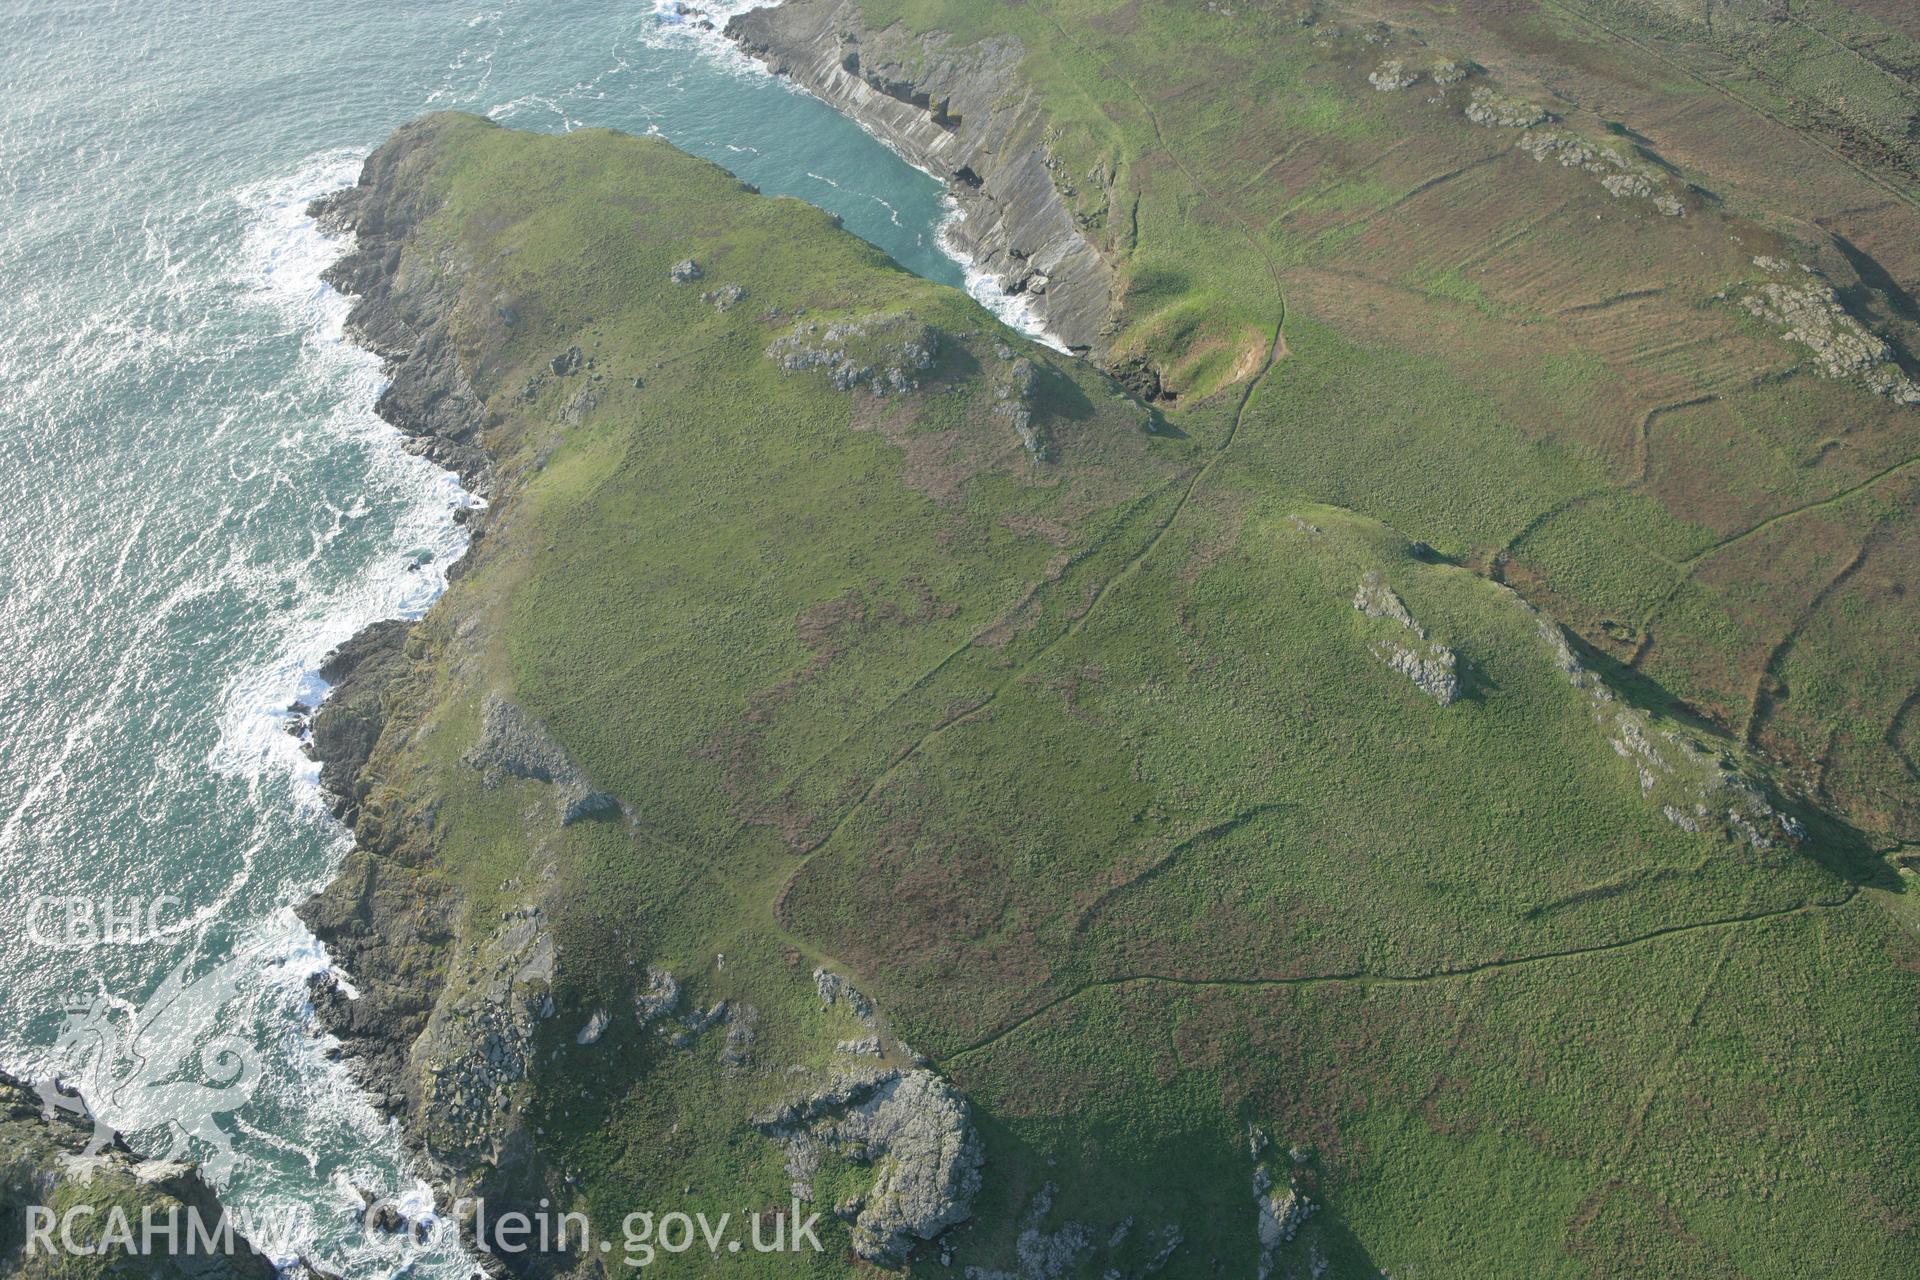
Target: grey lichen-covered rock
point(1013, 390)
point(685, 271)
point(878, 353)
point(835, 990)
point(579, 405)
point(1447, 71)
point(742, 1023)
point(596, 1027)
point(1694, 785)
point(1503, 111)
point(1377, 600)
point(1623, 174)
point(1432, 670)
point(1430, 665)
point(1805, 309)
point(725, 297)
point(915, 1131)
point(659, 997)
point(1393, 75)
point(1044, 1254)
point(475, 1056)
point(1283, 1210)
point(514, 744)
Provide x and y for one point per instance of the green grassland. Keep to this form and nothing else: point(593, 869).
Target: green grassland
point(1085, 770)
point(1556, 386)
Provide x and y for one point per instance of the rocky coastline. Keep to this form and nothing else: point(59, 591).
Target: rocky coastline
point(964, 115)
point(384, 917)
point(436, 1012)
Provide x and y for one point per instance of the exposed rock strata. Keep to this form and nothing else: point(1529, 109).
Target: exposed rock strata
point(400, 314)
point(514, 744)
point(1696, 786)
point(348, 724)
point(963, 114)
point(878, 353)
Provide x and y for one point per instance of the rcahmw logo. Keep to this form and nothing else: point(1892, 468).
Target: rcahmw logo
point(164, 1069)
point(73, 923)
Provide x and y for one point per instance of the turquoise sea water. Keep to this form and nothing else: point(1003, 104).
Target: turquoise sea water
point(196, 503)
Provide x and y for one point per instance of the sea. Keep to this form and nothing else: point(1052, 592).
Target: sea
point(197, 503)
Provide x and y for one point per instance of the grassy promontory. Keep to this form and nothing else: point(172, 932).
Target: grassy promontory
point(1228, 850)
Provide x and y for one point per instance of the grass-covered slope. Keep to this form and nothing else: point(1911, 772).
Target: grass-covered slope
point(1176, 808)
point(1518, 249)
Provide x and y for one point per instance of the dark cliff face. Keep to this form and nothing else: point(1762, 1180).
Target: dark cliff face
point(401, 317)
point(965, 115)
point(382, 918)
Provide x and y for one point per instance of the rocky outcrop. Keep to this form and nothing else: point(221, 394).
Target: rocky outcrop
point(475, 1055)
point(44, 1173)
point(514, 744)
point(878, 353)
point(1805, 309)
point(836, 990)
point(1430, 665)
point(1283, 1205)
point(911, 1127)
point(962, 113)
point(1043, 1254)
point(400, 313)
point(1695, 785)
point(1623, 174)
point(1013, 389)
point(1393, 75)
point(1498, 110)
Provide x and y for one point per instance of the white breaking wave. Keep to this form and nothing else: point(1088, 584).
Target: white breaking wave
point(1015, 310)
point(288, 253)
point(285, 254)
point(689, 22)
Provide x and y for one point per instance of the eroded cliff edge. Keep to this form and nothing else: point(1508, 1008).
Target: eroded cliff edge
point(964, 114)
